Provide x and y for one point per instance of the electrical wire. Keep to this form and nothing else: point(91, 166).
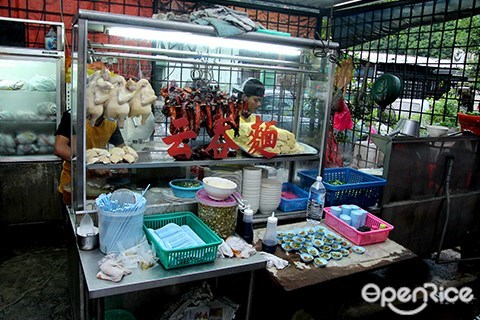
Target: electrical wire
point(41, 17)
point(450, 161)
point(63, 21)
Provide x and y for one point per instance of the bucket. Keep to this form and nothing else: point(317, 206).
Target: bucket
point(119, 231)
point(88, 241)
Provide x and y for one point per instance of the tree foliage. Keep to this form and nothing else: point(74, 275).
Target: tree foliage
point(437, 40)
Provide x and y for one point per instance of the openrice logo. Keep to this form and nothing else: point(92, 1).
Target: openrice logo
point(372, 293)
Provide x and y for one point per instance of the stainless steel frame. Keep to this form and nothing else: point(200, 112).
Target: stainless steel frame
point(189, 54)
point(86, 21)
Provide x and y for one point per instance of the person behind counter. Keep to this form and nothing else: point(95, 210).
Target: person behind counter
point(104, 132)
point(254, 90)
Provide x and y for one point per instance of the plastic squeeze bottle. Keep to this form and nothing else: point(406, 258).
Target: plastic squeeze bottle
point(248, 225)
point(269, 241)
point(316, 201)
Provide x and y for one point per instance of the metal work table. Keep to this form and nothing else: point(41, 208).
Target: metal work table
point(376, 256)
point(155, 277)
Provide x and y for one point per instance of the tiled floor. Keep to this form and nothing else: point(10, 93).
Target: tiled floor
point(33, 285)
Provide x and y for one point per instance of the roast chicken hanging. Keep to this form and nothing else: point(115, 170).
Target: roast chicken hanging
point(202, 108)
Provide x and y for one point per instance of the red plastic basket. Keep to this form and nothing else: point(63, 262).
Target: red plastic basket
point(469, 122)
point(355, 236)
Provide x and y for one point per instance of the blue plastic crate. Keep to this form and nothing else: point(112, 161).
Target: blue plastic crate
point(358, 187)
point(300, 203)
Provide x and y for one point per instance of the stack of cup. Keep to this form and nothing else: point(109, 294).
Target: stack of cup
point(251, 184)
point(348, 208)
point(346, 218)
point(351, 214)
point(356, 216)
point(336, 211)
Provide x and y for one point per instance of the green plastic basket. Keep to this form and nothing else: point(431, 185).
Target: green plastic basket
point(188, 256)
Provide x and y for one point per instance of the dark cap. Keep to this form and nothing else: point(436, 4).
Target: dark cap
point(253, 87)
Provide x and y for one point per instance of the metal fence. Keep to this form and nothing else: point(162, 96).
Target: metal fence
point(432, 47)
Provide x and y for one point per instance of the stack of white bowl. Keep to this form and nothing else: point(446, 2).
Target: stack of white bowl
point(270, 195)
point(251, 182)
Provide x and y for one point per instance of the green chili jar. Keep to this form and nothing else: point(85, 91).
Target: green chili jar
point(219, 215)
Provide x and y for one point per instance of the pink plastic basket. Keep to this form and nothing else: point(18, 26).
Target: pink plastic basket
point(355, 236)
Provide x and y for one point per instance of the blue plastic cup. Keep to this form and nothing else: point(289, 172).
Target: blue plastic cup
point(355, 207)
point(356, 216)
point(364, 217)
point(336, 211)
point(346, 218)
point(346, 209)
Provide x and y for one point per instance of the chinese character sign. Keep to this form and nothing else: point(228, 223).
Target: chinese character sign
point(263, 136)
point(221, 143)
point(178, 148)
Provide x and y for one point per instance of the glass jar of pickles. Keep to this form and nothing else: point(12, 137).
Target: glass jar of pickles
point(219, 215)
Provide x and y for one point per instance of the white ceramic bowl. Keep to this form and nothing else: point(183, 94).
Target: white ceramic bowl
point(436, 131)
point(218, 188)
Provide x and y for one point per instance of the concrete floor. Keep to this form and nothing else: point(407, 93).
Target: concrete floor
point(33, 273)
point(33, 285)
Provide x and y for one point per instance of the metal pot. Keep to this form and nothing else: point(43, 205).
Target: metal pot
point(407, 127)
point(88, 241)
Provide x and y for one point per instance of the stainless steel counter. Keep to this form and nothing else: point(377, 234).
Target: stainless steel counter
point(95, 289)
point(158, 276)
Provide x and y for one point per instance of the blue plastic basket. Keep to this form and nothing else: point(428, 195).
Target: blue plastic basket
point(300, 203)
point(358, 187)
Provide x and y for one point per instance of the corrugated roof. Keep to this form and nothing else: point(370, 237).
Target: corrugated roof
point(376, 57)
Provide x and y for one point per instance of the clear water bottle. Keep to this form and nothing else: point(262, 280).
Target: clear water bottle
point(316, 201)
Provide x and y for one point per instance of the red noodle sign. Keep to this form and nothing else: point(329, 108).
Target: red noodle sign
point(263, 137)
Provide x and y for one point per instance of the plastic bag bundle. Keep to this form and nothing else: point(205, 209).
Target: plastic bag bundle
point(40, 83)
point(120, 221)
point(172, 237)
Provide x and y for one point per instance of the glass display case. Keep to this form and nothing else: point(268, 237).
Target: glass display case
point(31, 101)
point(32, 90)
point(181, 57)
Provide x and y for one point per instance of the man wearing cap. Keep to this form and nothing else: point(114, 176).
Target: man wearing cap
point(253, 90)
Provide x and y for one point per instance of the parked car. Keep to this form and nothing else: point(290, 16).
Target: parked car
point(280, 107)
point(406, 107)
